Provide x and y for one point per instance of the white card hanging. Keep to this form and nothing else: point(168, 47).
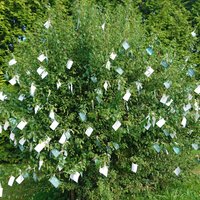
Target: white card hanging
point(190, 97)
point(6, 125)
point(54, 125)
point(52, 115)
point(160, 123)
point(119, 70)
point(11, 181)
point(177, 171)
point(12, 136)
point(69, 64)
point(22, 141)
point(184, 122)
point(116, 125)
point(12, 62)
point(36, 109)
point(32, 90)
point(13, 81)
point(164, 99)
point(125, 45)
point(195, 146)
point(2, 96)
point(1, 191)
point(21, 97)
point(21, 125)
point(104, 170)
point(47, 24)
point(44, 74)
point(1, 129)
point(58, 84)
point(40, 70)
point(138, 85)
point(193, 34)
point(149, 71)
point(167, 84)
point(40, 164)
point(75, 176)
point(40, 146)
point(108, 65)
point(134, 167)
point(63, 139)
point(105, 85)
point(113, 56)
point(197, 90)
point(103, 26)
point(127, 96)
point(41, 57)
point(89, 131)
point(187, 107)
point(54, 181)
point(147, 127)
point(20, 179)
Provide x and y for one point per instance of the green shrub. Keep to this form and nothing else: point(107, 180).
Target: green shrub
point(85, 99)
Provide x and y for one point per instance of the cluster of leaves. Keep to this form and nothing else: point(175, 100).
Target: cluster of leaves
point(80, 37)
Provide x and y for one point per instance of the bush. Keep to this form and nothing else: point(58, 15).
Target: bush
point(79, 53)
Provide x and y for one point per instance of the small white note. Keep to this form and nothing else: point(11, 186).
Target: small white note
point(75, 176)
point(41, 58)
point(20, 179)
point(11, 181)
point(119, 70)
point(54, 125)
point(13, 81)
point(40, 164)
point(40, 146)
point(187, 107)
point(12, 62)
point(21, 97)
point(54, 181)
point(164, 99)
point(2, 96)
point(103, 26)
point(1, 191)
point(22, 141)
point(193, 34)
point(89, 131)
point(134, 167)
point(69, 64)
point(127, 96)
point(32, 90)
point(12, 136)
point(21, 125)
point(6, 125)
point(125, 45)
point(104, 170)
point(177, 171)
point(197, 90)
point(169, 102)
point(113, 56)
point(36, 109)
point(184, 122)
point(47, 24)
point(116, 125)
point(160, 123)
point(149, 71)
point(108, 65)
point(58, 84)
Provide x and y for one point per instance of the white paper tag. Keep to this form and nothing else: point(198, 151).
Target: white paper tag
point(58, 84)
point(89, 131)
point(149, 71)
point(37, 108)
point(167, 84)
point(127, 95)
point(119, 70)
point(12, 136)
point(40, 70)
point(75, 176)
point(193, 34)
point(1, 129)
point(54, 181)
point(108, 65)
point(177, 171)
point(12, 62)
point(184, 122)
point(6, 125)
point(63, 139)
point(11, 181)
point(104, 170)
point(116, 125)
point(22, 141)
point(69, 64)
point(41, 58)
point(197, 90)
point(134, 167)
point(21, 125)
point(44, 74)
point(2, 96)
point(169, 102)
point(54, 125)
point(47, 24)
point(160, 123)
point(20, 179)
point(21, 97)
point(52, 115)
point(40, 164)
point(13, 81)
point(103, 26)
point(164, 99)
point(105, 85)
point(40, 146)
point(32, 90)
point(1, 192)
point(125, 45)
point(187, 107)
point(113, 56)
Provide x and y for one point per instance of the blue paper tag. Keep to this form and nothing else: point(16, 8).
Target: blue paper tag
point(149, 50)
point(164, 64)
point(176, 150)
point(157, 148)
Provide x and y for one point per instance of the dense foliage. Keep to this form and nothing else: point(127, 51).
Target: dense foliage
point(88, 71)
